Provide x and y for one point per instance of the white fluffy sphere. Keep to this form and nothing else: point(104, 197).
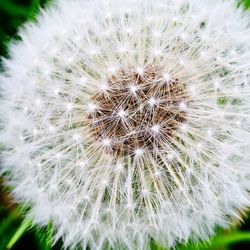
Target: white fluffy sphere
point(127, 121)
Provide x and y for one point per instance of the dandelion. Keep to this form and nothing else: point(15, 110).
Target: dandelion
point(127, 121)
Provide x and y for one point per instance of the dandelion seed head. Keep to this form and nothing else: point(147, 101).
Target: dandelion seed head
point(124, 121)
point(133, 130)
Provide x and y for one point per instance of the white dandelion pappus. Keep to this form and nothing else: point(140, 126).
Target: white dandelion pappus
point(127, 121)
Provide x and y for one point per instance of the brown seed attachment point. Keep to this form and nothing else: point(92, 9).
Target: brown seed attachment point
point(139, 111)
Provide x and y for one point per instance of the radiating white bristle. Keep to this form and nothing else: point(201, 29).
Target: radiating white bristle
point(191, 173)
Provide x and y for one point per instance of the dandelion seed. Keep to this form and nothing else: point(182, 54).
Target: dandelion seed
point(183, 106)
point(156, 128)
point(166, 77)
point(91, 107)
point(133, 89)
point(184, 127)
point(69, 106)
point(128, 123)
point(140, 70)
point(82, 80)
point(56, 91)
point(139, 152)
point(170, 156)
point(104, 87)
point(129, 30)
point(156, 52)
point(121, 113)
point(152, 101)
point(106, 142)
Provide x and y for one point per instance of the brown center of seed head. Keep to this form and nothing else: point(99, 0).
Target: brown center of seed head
point(138, 112)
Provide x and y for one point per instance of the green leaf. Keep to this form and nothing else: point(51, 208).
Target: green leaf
point(219, 241)
point(13, 9)
point(25, 226)
point(7, 222)
point(44, 237)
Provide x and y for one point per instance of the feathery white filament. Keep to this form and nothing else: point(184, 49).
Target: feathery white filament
point(170, 159)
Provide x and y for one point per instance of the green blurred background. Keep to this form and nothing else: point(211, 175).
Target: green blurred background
point(15, 232)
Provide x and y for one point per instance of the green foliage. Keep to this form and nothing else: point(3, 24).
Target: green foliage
point(14, 228)
point(16, 232)
point(247, 3)
point(13, 13)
